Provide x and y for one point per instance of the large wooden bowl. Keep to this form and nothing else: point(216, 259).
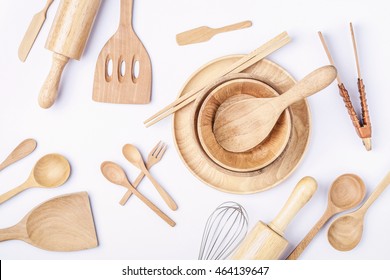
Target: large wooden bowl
point(224, 92)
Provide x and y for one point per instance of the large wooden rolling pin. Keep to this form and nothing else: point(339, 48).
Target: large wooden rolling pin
point(67, 39)
point(266, 242)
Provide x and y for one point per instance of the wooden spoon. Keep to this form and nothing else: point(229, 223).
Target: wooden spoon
point(64, 223)
point(21, 151)
point(132, 154)
point(50, 171)
point(116, 175)
point(345, 233)
point(245, 124)
point(346, 192)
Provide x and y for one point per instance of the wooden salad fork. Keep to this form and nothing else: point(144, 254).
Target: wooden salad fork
point(154, 157)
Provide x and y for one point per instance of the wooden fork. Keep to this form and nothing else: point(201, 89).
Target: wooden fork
point(154, 156)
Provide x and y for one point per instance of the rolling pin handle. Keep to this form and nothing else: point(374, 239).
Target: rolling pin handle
point(49, 89)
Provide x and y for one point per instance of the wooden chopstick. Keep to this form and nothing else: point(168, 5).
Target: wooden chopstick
point(240, 65)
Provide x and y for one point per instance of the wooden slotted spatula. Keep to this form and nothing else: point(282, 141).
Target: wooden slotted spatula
point(123, 71)
point(64, 223)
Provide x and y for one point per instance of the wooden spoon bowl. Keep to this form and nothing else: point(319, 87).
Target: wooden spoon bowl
point(224, 92)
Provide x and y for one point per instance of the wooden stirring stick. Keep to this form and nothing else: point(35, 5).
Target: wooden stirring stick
point(363, 128)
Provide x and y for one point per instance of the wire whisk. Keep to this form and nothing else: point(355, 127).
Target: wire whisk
point(225, 229)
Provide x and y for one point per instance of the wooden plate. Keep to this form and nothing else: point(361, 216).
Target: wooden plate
point(236, 182)
point(224, 92)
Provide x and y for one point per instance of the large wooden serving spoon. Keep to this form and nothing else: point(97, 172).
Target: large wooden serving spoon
point(346, 192)
point(50, 171)
point(345, 233)
point(245, 124)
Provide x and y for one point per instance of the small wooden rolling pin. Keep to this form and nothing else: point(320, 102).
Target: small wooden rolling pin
point(266, 242)
point(67, 39)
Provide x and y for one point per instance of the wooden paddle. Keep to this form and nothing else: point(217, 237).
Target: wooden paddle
point(64, 223)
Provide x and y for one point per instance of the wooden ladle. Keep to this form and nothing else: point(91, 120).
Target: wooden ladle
point(50, 171)
point(245, 124)
point(346, 192)
point(345, 233)
point(132, 154)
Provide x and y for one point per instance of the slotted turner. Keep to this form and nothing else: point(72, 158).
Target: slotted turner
point(123, 71)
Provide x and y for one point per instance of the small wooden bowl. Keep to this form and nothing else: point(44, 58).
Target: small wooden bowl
point(224, 92)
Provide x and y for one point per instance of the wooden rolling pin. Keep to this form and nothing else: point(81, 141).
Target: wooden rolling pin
point(67, 39)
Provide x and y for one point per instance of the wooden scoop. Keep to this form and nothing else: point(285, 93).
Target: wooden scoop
point(205, 33)
point(266, 242)
point(64, 223)
point(50, 171)
point(245, 124)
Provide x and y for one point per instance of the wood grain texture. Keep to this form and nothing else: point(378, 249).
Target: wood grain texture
point(67, 40)
point(245, 124)
point(32, 32)
point(205, 33)
point(212, 174)
point(221, 94)
point(123, 49)
point(267, 242)
point(64, 223)
point(24, 149)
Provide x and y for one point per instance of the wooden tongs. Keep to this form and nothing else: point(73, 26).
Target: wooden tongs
point(363, 126)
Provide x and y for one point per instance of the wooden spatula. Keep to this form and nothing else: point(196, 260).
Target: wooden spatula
point(205, 33)
point(123, 71)
point(64, 223)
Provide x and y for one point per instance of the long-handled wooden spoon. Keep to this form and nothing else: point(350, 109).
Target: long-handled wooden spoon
point(21, 151)
point(346, 192)
point(115, 174)
point(245, 124)
point(50, 171)
point(132, 154)
point(345, 233)
point(205, 33)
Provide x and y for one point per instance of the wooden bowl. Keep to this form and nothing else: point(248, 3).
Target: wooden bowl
point(224, 92)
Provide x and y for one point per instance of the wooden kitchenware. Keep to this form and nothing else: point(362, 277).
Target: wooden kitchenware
point(211, 102)
point(67, 39)
point(130, 78)
point(116, 175)
point(247, 123)
point(32, 32)
point(205, 33)
point(21, 151)
point(64, 223)
point(346, 192)
point(345, 232)
point(266, 242)
point(50, 171)
point(132, 154)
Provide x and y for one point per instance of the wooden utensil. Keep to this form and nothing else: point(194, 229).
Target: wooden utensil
point(21, 151)
point(50, 171)
point(346, 192)
point(67, 39)
point(154, 157)
point(126, 52)
point(345, 232)
point(115, 174)
point(32, 32)
point(236, 67)
point(247, 123)
point(266, 242)
point(132, 154)
point(64, 223)
point(205, 33)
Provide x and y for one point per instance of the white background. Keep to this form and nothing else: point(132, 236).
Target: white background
point(88, 133)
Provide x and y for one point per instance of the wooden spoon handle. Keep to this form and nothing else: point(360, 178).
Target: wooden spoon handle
point(126, 17)
point(232, 27)
point(301, 194)
point(49, 91)
point(15, 232)
point(309, 85)
point(4, 197)
point(377, 192)
point(21, 151)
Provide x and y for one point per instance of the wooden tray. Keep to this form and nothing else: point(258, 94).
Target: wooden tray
point(236, 182)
